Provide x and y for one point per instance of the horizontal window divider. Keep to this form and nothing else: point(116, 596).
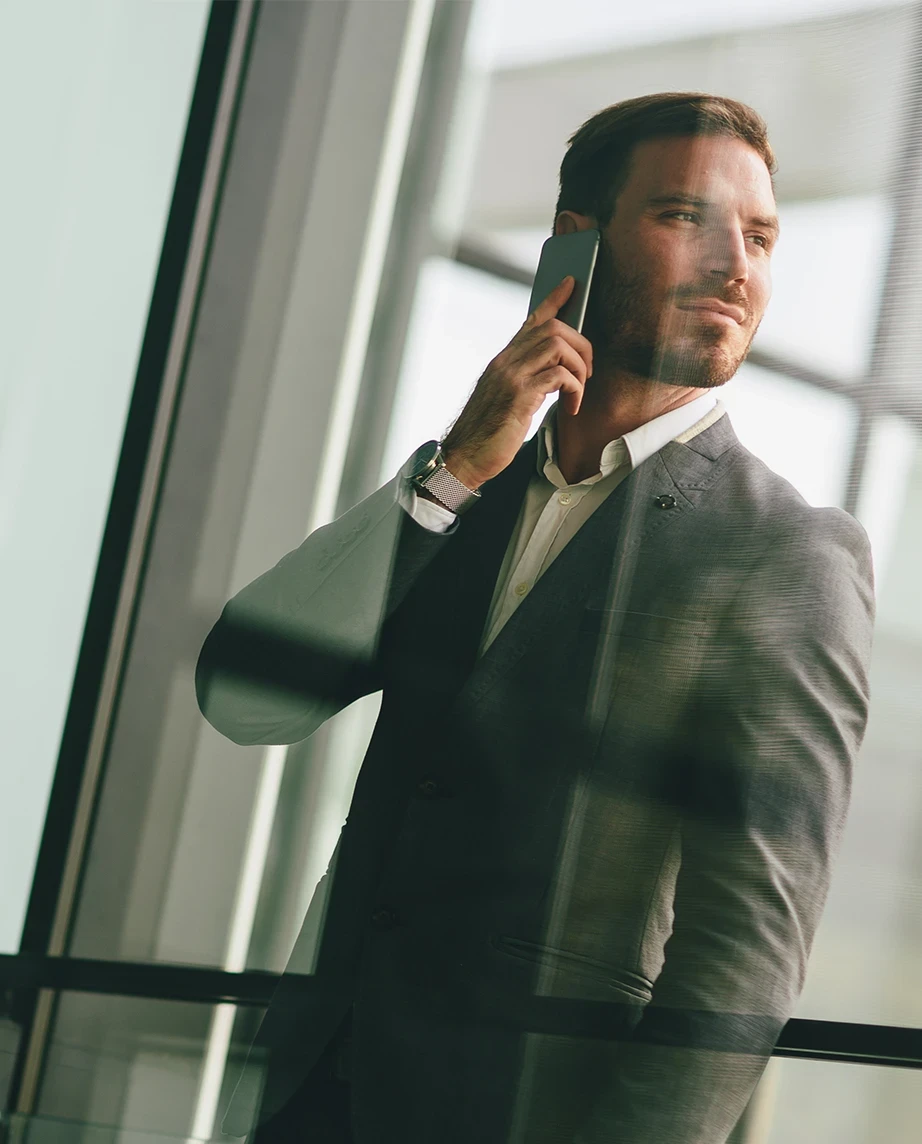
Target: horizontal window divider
point(164, 981)
point(847, 1042)
point(890, 1045)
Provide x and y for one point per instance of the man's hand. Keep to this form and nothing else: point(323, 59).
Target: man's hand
point(545, 356)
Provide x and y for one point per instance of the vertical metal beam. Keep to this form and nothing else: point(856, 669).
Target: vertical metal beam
point(371, 266)
point(413, 240)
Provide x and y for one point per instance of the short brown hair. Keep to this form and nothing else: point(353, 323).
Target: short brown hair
point(595, 168)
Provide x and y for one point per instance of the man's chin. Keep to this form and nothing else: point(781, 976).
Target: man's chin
point(709, 375)
point(697, 370)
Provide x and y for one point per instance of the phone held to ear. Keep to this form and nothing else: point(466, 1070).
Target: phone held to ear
point(561, 255)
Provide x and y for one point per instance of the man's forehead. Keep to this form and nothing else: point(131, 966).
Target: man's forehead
point(704, 167)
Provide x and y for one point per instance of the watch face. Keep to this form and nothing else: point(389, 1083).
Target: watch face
point(423, 459)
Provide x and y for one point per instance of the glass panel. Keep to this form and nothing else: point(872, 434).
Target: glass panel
point(828, 271)
point(169, 866)
point(865, 960)
point(51, 1130)
point(828, 277)
point(818, 1102)
point(804, 433)
point(204, 851)
point(140, 1065)
point(101, 92)
point(827, 274)
point(176, 828)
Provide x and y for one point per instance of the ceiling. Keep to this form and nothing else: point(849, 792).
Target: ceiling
point(832, 91)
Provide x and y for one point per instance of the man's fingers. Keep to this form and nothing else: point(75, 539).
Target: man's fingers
point(546, 355)
point(558, 379)
point(557, 350)
point(578, 341)
point(545, 316)
point(552, 303)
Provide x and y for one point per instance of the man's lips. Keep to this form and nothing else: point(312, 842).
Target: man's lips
point(712, 306)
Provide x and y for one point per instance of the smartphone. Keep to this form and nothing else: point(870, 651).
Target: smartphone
point(562, 255)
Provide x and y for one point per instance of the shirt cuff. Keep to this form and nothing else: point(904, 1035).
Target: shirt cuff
point(432, 517)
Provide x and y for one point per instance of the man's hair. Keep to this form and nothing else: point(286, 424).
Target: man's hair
point(597, 163)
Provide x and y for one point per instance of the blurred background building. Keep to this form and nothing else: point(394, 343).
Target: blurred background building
point(255, 254)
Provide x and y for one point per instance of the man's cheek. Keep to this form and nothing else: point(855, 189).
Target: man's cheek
point(763, 287)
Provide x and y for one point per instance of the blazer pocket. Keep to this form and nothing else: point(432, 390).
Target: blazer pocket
point(574, 965)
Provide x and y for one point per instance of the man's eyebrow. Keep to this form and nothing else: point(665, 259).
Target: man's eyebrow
point(685, 200)
point(769, 222)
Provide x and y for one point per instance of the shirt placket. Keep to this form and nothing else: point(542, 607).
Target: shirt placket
point(561, 502)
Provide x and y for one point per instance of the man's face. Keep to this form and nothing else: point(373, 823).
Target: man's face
point(693, 226)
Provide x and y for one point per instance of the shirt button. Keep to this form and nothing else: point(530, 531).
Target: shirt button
point(521, 588)
point(428, 788)
point(667, 500)
point(564, 498)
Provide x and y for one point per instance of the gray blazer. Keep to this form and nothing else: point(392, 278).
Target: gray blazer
point(577, 889)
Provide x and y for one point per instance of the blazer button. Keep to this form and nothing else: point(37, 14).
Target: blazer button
point(428, 788)
point(667, 500)
point(384, 918)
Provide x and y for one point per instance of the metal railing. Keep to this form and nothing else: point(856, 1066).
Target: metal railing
point(847, 1042)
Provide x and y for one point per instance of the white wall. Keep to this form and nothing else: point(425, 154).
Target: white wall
point(95, 97)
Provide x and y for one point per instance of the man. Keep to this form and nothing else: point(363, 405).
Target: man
point(623, 689)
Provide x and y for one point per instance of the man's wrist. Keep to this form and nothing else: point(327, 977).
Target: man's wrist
point(460, 471)
point(428, 473)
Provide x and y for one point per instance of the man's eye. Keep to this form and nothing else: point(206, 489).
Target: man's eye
point(691, 215)
point(761, 239)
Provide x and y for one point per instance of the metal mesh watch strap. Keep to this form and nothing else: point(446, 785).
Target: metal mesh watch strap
point(448, 490)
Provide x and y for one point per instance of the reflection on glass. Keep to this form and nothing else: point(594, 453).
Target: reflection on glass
point(151, 1058)
point(865, 962)
point(827, 274)
point(133, 1063)
point(52, 1130)
point(803, 433)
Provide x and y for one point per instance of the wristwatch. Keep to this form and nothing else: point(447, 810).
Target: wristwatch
point(427, 471)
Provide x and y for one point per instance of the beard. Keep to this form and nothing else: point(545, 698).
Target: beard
point(629, 328)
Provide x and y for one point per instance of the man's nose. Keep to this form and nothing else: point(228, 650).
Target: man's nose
point(726, 257)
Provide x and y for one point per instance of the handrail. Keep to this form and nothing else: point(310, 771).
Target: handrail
point(843, 1041)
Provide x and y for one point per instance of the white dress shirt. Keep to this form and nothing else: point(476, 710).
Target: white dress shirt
point(553, 511)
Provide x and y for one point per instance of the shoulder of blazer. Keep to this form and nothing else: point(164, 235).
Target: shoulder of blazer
point(749, 503)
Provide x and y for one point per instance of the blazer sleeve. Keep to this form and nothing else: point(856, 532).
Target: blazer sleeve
point(781, 716)
point(300, 642)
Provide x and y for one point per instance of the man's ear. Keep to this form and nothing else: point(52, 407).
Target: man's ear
point(569, 222)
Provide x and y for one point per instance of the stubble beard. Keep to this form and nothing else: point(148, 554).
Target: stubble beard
point(628, 334)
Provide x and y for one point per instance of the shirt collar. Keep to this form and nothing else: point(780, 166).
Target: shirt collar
point(631, 449)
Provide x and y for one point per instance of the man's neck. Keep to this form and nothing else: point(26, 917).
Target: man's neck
point(609, 409)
